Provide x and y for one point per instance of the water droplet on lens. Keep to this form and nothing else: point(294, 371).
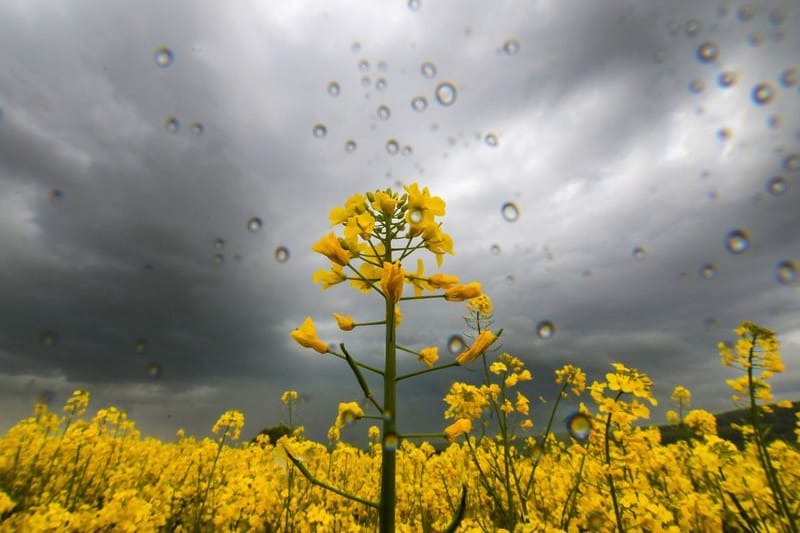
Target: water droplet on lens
point(48, 337)
point(390, 442)
point(254, 224)
point(154, 370)
point(708, 271)
point(776, 186)
point(45, 397)
point(707, 52)
point(350, 146)
point(511, 47)
point(537, 452)
point(428, 70)
point(746, 12)
point(319, 131)
point(219, 259)
point(414, 5)
point(140, 345)
point(491, 140)
point(366, 82)
point(777, 16)
point(163, 56)
point(384, 112)
point(756, 38)
point(791, 162)
point(697, 86)
point(724, 134)
point(415, 216)
point(355, 47)
point(419, 103)
point(495, 249)
point(56, 194)
point(579, 426)
point(446, 93)
point(786, 272)
point(219, 243)
point(510, 279)
point(281, 254)
point(198, 129)
point(456, 344)
point(334, 89)
point(545, 330)
point(737, 241)
point(639, 253)
point(510, 212)
point(392, 147)
point(727, 78)
point(363, 66)
point(380, 84)
point(407, 150)
point(763, 93)
point(790, 77)
point(171, 124)
point(692, 27)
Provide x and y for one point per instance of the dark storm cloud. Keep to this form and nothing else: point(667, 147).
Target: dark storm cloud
point(601, 146)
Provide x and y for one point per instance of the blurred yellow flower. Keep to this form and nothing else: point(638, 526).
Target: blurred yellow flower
point(459, 293)
point(458, 428)
point(481, 343)
point(443, 281)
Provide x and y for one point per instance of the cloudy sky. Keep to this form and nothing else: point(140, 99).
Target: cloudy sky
point(139, 139)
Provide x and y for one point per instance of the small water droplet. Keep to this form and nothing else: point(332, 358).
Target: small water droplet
point(390, 442)
point(510, 279)
point(366, 82)
point(727, 78)
point(786, 272)
point(219, 259)
point(545, 330)
point(384, 112)
point(407, 150)
point(56, 195)
point(140, 345)
point(746, 12)
point(639, 253)
point(45, 397)
point(510, 212)
point(579, 426)
point(491, 140)
point(456, 344)
point(763, 93)
point(254, 224)
point(791, 162)
point(154, 370)
point(446, 93)
point(319, 131)
point(774, 121)
point(355, 47)
point(495, 249)
point(363, 66)
point(707, 52)
point(428, 70)
point(708, 271)
point(692, 27)
point(777, 16)
point(198, 129)
point(756, 38)
point(48, 337)
point(171, 124)
point(392, 147)
point(333, 88)
point(414, 5)
point(737, 241)
point(219, 243)
point(281, 254)
point(350, 146)
point(790, 77)
point(380, 84)
point(724, 134)
point(776, 186)
point(511, 47)
point(419, 103)
point(697, 86)
point(163, 56)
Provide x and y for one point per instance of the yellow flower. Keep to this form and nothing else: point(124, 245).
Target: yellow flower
point(345, 322)
point(681, 395)
point(359, 225)
point(288, 397)
point(701, 421)
point(392, 281)
point(481, 304)
point(329, 247)
point(77, 403)
point(429, 355)
point(459, 293)
point(458, 428)
point(482, 342)
point(384, 203)
point(443, 281)
point(329, 277)
point(522, 404)
point(371, 273)
point(418, 280)
point(398, 316)
point(306, 335)
point(422, 209)
point(673, 418)
point(230, 423)
point(497, 368)
point(526, 424)
point(355, 205)
point(349, 412)
point(511, 380)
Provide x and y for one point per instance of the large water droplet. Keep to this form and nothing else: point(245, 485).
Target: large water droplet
point(281, 254)
point(776, 186)
point(456, 344)
point(163, 56)
point(737, 241)
point(171, 124)
point(511, 47)
point(428, 69)
point(491, 140)
point(707, 52)
point(419, 103)
point(254, 224)
point(763, 93)
point(727, 78)
point(579, 426)
point(390, 442)
point(334, 89)
point(545, 329)
point(48, 337)
point(319, 131)
point(708, 271)
point(639, 253)
point(786, 272)
point(446, 93)
point(392, 147)
point(384, 112)
point(510, 212)
point(350, 146)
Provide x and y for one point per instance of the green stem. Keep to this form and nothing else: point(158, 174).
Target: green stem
point(362, 365)
point(388, 459)
point(617, 512)
point(425, 371)
point(361, 381)
point(314, 481)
